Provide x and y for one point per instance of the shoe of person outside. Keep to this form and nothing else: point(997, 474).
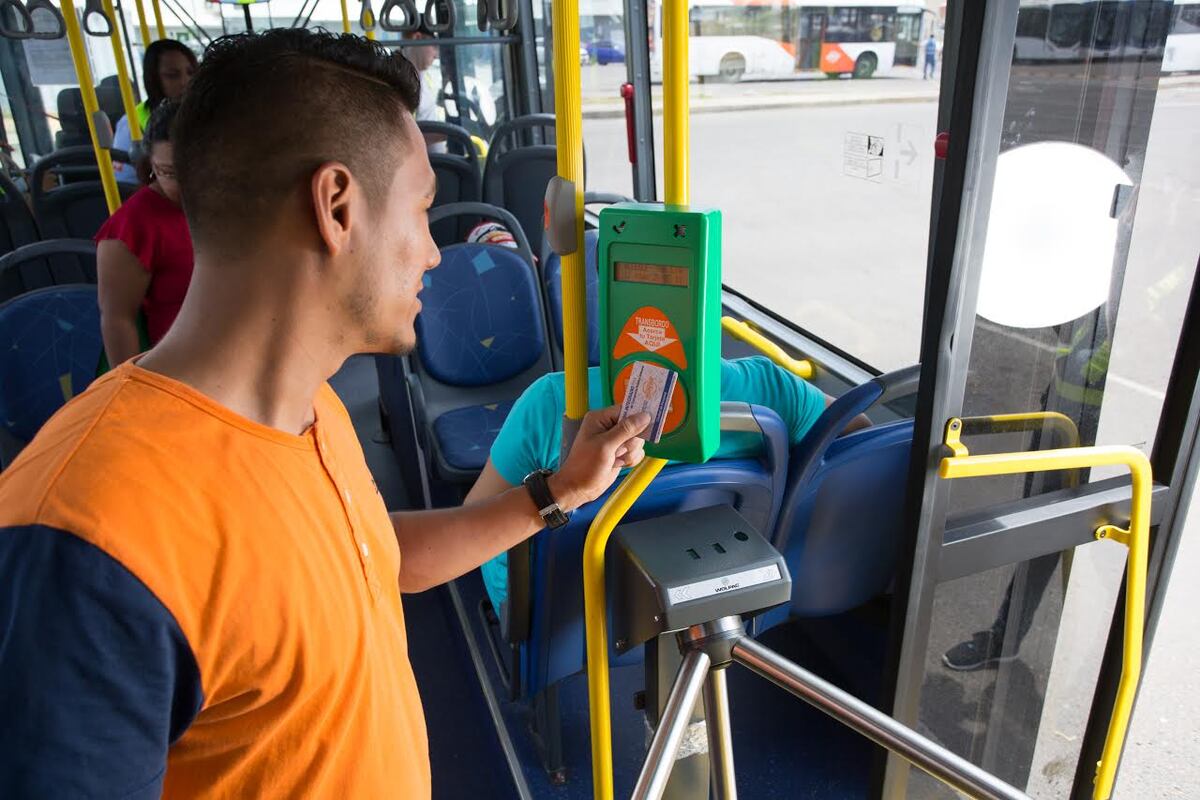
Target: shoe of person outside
point(983, 649)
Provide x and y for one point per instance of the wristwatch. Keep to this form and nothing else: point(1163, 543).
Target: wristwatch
point(547, 506)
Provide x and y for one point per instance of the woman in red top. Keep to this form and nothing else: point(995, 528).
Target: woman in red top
point(144, 254)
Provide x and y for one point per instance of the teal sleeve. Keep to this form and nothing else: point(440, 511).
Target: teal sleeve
point(526, 441)
point(759, 381)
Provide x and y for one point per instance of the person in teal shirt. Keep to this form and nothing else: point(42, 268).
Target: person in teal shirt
point(531, 436)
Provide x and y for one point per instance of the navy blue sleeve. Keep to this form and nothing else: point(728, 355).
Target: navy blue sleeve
point(96, 677)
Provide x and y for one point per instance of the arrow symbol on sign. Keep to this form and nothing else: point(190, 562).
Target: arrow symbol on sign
point(910, 151)
point(651, 343)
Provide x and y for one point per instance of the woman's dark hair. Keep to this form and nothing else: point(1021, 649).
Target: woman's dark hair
point(150, 64)
point(158, 129)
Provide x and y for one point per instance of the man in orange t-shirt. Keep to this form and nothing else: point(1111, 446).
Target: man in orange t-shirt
point(199, 585)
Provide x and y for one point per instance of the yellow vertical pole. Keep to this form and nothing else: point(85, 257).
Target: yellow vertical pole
point(345, 18)
point(135, 128)
point(158, 23)
point(675, 153)
point(83, 73)
point(142, 26)
point(568, 127)
point(676, 130)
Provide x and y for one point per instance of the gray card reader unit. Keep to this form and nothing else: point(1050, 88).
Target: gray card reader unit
point(684, 569)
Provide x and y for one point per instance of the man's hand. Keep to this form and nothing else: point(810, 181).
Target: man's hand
point(602, 448)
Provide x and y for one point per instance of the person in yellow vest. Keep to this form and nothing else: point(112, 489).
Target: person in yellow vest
point(167, 68)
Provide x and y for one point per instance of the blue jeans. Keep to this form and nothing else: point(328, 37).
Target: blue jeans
point(930, 66)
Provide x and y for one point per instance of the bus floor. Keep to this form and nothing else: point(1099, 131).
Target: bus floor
point(782, 746)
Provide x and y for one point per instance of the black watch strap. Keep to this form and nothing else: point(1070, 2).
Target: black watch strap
point(539, 490)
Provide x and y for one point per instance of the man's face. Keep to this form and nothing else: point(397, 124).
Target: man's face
point(421, 57)
point(394, 252)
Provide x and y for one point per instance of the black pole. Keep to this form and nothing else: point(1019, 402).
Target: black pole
point(133, 74)
point(249, 22)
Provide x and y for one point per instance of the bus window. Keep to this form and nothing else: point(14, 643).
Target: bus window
point(824, 178)
point(602, 55)
point(1066, 25)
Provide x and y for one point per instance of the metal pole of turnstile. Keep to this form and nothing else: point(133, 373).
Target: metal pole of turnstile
point(660, 759)
point(720, 738)
point(951, 769)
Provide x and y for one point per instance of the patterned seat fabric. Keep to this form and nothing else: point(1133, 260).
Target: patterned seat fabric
point(552, 279)
point(49, 347)
point(481, 322)
point(465, 435)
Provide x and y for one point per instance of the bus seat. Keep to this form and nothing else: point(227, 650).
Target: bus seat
point(842, 552)
point(545, 610)
point(57, 262)
point(481, 339)
point(74, 210)
point(459, 179)
point(515, 174)
point(552, 286)
point(18, 228)
point(49, 347)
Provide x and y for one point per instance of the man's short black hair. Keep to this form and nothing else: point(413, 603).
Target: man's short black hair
point(265, 110)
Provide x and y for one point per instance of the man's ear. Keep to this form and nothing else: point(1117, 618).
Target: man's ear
point(334, 205)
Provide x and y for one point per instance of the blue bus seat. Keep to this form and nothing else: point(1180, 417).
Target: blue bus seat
point(552, 286)
point(49, 346)
point(515, 174)
point(481, 339)
point(74, 210)
point(57, 262)
point(18, 227)
point(459, 178)
point(546, 612)
point(841, 551)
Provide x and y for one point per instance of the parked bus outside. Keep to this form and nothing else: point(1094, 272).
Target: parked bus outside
point(732, 40)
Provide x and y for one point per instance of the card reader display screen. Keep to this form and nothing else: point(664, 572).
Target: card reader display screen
point(659, 274)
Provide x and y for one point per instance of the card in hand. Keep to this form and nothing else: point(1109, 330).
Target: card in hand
point(649, 390)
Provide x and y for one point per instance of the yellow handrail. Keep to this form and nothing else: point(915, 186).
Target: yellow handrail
point(742, 331)
point(158, 23)
point(83, 73)
point(142, 26)
point(114, 35)
point(596, 620)
point(1136, 537)
point(568, 129)
point(345, 18)
point(676, 85)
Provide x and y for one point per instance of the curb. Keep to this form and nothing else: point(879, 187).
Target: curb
point(766, 103)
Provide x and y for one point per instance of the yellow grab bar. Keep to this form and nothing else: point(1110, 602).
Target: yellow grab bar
point(345, 18)
point(596, 619)
point(158, 23)
point(83, 73)
point(142, 26)
point(568, 131)
point(1136, 537)
point(114, 34)
point(742, 331)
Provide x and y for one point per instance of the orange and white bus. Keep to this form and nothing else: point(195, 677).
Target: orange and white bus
point(733, 40)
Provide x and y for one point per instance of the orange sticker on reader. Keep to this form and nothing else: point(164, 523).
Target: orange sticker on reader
point(649, 330)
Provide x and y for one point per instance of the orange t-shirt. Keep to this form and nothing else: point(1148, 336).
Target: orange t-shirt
point(268, 559)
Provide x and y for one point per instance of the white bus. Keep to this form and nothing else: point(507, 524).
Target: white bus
point(771, 39)
point(1050, 31)
point(1182, 53)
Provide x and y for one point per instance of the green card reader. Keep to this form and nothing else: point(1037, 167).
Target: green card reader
point(660, 301)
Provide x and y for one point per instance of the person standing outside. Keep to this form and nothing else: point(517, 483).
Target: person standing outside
point(931, 54)
point(199, 583)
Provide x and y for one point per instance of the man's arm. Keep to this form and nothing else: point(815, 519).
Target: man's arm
point(439, 545)
point(96, 677)
point(856, 424)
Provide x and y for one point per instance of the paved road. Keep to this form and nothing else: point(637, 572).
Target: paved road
point(844, 256)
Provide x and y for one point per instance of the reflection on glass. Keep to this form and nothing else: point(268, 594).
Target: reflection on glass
point(1012, 661)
